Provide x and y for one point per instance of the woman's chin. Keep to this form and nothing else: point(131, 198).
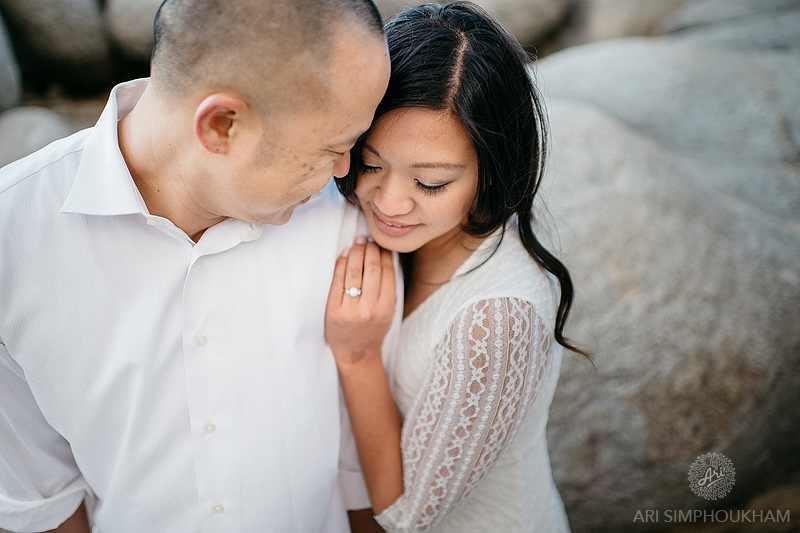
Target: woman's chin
point(393, 244)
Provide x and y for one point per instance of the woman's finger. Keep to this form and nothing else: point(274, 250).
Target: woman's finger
point(355, 264)
point(336, 293)
point(371, 284)
point(388, 288)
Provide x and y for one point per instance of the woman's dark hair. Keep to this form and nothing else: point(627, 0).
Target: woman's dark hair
point(456, 58)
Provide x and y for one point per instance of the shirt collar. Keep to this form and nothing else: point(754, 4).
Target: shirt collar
point(103, 184)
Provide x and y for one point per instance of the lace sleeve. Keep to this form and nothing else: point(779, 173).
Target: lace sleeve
point(486, 372)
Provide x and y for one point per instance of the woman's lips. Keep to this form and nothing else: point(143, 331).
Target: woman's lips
point(392, 229)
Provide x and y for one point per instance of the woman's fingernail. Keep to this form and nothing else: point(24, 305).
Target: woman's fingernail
point(361, 239)
point(346, 252)
point(370, 239)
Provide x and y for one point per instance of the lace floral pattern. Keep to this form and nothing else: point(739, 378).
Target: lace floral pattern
point(486, 372)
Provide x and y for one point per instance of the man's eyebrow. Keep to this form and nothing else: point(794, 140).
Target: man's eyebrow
point(452, 167)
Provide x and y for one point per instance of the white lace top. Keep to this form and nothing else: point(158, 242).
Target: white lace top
point(473, 379)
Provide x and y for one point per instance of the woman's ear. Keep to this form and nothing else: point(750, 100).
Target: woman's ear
point(217, 120)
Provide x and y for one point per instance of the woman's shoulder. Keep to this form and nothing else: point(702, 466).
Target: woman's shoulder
point(502, 268)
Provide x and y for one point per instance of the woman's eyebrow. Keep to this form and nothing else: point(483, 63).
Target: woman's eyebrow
point(371, 149)
point(452, 167)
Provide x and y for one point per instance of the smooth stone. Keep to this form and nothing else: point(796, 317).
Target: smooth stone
point(63, 40)
point(23, 130)
point(10, 80)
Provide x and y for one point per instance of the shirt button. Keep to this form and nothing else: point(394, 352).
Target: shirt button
point(218, 508)
point(210, 428)
point(201, 340)
point(153, 221)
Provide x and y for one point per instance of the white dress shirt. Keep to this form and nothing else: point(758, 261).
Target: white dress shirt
point(180, 387)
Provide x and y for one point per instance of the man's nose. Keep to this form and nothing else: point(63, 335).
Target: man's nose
point(342, 165)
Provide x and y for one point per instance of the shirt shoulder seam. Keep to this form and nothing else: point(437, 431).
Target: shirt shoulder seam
point(38, 170)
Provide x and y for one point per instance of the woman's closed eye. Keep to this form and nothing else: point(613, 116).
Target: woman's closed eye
point(430, 189)
point(366, 169)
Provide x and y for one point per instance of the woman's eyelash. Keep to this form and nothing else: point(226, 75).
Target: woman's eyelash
point(427, 189)
point(430, 189)
point(367, 168)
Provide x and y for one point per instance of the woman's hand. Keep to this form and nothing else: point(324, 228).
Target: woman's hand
point(356, 325)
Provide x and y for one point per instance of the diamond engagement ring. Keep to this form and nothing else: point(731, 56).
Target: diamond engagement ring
point(353, 291)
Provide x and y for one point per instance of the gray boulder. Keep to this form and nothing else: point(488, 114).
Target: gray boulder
point(130, 23)
point(705, 12)
point(23, 130)
point(597, 20)
point(528, 21)
point(739, 24)
point(674, 184)
point(10, 83)
point(729, 110)
point(61, 39)
point(608, 19)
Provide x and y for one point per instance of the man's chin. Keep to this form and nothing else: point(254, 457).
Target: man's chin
point(280, 217)
point(277, 218)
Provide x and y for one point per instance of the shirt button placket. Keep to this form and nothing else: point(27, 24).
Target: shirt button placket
point(205, 377)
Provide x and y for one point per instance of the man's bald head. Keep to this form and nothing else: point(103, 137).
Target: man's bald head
point(270, 52)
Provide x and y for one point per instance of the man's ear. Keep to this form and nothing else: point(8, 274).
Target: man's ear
point(217, 119)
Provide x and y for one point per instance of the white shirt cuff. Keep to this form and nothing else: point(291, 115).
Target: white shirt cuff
point(44, 514)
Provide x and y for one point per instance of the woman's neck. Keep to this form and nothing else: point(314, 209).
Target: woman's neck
point(434, 264)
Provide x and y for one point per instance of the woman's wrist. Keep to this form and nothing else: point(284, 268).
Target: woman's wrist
point(359, 361)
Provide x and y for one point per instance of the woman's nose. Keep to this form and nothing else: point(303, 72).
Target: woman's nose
point(392, 198)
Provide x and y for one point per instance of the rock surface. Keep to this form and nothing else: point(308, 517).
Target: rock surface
point(702, 12)
point(130, 23)
point(608, 19)
point(597, 20)
point(61, 39)
point(10, 81)
point(674, 183)
point(529, 21)
point(23, 130)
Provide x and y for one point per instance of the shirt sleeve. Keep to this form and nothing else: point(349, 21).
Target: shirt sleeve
point(40, 484)
point(486, 373)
